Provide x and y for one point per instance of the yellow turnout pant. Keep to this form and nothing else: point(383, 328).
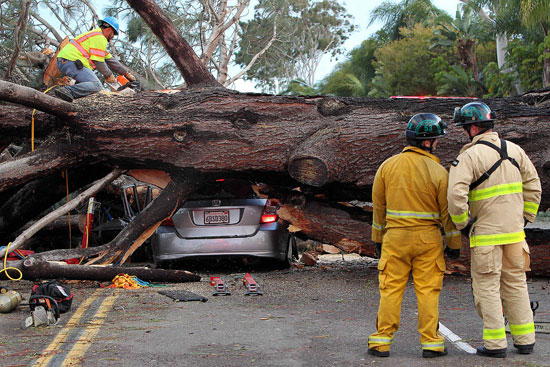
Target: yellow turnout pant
point(499, 284)
point(419, 250)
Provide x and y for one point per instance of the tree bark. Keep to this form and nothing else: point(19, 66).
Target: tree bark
point(42, 162)
point(32, 98)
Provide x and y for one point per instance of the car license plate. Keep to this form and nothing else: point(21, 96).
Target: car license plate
point(216, 217)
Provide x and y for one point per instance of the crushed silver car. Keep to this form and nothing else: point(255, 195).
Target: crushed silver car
point(225, 218)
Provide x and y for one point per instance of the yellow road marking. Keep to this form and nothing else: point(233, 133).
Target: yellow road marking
point(75, 355)
point(49, 352)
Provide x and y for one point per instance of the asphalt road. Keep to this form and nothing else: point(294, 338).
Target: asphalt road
point(317, 316)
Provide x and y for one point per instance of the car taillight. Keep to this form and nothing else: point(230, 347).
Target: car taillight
point(167, 222)
point(270, 212)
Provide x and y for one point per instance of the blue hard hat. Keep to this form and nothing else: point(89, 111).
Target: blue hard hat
point(112, 22)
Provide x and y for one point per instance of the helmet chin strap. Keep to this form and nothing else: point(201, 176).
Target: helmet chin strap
point(468, 129)
point(428, 149)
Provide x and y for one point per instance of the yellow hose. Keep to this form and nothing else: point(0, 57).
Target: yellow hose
point(10, 268)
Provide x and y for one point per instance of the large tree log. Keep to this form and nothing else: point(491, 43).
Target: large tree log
point(40, 269)
point(344, 140)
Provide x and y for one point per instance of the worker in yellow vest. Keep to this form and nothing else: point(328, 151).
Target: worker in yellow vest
point(409, 197)
point(86, 53)
point(494, 190)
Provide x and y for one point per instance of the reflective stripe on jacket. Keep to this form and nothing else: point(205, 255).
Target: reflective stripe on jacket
point(501, 202)
point(87, 47)
point(410, 190)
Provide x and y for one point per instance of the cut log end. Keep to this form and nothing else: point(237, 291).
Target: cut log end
point(309, 170)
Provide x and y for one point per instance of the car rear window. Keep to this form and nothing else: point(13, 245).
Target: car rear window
point(224, 188)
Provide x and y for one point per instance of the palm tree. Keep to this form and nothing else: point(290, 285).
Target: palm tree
point(404, 14)
point(536, 13)
point(504, 16)
point(464, 31)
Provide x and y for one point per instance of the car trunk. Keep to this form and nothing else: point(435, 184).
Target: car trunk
point(219, 218)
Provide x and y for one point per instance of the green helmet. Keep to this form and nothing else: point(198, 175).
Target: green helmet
point(473, 113)
point(424, 126)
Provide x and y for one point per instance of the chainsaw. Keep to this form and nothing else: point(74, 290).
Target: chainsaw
point(44, 311)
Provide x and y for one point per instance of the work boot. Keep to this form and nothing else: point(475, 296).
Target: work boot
point(525, 349)
point(427, 353)
point(494, 353)
point(377, 353)
point(64, 94)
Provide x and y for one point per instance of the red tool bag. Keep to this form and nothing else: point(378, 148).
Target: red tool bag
point(19, 254)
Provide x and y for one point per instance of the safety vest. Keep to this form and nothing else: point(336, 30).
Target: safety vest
point(87, 47)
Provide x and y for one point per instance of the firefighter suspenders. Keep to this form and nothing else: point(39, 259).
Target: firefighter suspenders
point(503, 155)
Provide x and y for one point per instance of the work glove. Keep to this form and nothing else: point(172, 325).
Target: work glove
point(111, 79)
point(130, 77)
point(378, 250)
point(452, 254)
point(466, 230)
point(526, 222)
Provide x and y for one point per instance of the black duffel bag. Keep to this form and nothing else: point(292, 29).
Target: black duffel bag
point(60, 293)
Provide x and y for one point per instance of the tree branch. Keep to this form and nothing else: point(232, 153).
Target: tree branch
point(193, 71)
point(253, 60)
point(73, 204)
point(51, 28)
point(19, 29)
point(39, 163)
point(29, 97)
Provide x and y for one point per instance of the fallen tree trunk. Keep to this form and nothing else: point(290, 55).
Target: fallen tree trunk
point(326, 224)
point(39, 269)
point(317, 140)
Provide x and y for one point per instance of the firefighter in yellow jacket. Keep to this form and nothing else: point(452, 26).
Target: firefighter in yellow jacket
point(409, 196)
point(493, 191)
point(86, 53)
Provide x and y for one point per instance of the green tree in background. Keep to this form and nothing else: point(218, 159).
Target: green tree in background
point(352, 78)
point(462, 33)
point(536, 14)
point(306, 30)
point(405, 67)
point(407, 13)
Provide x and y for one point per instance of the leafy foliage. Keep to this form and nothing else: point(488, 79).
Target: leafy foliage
point(407, 13)
point(306, 30)
point(404, 66)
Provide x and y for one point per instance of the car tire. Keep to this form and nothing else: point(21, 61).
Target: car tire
point(291, 251)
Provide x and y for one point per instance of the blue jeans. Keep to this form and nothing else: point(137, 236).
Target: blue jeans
point(86, 80)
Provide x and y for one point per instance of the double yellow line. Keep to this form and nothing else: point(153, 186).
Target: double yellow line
point(74, 356)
